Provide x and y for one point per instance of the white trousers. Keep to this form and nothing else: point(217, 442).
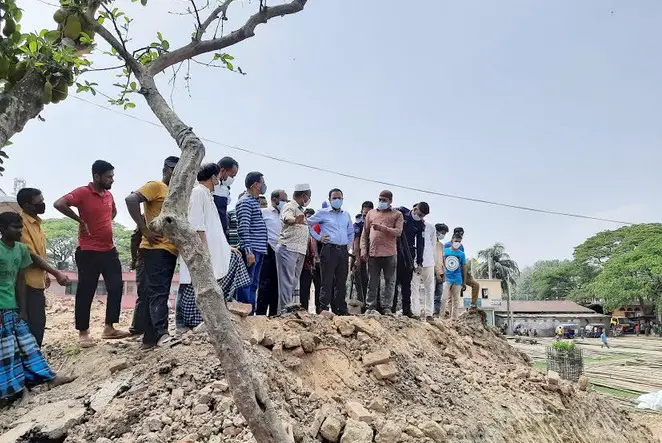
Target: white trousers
point(422, 292)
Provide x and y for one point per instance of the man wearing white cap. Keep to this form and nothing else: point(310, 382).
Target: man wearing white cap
point(292, 247)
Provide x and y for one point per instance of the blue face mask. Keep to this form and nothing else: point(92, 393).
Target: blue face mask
point(382, 206)
point(263, 189)
point(281, 205)
point(336, 203)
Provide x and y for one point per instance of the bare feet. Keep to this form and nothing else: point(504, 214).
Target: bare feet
point(60, 380)
point(110, 333)
point(85, 340)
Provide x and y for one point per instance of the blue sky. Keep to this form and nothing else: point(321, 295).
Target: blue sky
point(550, 104)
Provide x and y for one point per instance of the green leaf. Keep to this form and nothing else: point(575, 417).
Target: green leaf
point(52, 36)
point(129, 105)
point(159, 36)
point(230, 66)
point(101, 19)
point(33, 47)
point(165, 44)
point(227, 57)
point(133, 85)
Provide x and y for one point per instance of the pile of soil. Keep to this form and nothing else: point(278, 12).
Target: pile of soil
point(333, 379)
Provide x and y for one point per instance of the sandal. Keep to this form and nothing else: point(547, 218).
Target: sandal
point(167, 341)
point(115, 335)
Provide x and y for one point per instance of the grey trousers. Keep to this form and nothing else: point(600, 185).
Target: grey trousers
point(377, 265)
point(289, 265)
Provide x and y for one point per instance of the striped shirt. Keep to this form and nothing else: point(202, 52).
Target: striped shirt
point(250, 225)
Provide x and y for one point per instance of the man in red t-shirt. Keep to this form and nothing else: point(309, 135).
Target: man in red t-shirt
point(96, 254)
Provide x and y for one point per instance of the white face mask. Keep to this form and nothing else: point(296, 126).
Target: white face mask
point(456, 244)
point(440, 237)
point(228, 181)
point(306, 202)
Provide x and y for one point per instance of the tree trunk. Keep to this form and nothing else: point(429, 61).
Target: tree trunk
point(249, 394)
point(20, 105)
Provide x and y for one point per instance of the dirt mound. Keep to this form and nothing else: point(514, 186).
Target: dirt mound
point(342, 379)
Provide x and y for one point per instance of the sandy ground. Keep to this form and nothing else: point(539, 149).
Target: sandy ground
point(613, 370)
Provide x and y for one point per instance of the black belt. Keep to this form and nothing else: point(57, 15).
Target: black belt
point(336, 246)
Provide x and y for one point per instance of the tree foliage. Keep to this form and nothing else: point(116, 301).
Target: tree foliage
point(631, 274)
point(62, 240)
point(37, 68)
point(503, 267)
point(547, 280)
point(616, 267)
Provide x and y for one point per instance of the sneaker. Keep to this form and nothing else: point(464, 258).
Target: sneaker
point(429, 319)
point(372, 312)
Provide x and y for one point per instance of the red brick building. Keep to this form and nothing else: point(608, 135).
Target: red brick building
point(130, 288)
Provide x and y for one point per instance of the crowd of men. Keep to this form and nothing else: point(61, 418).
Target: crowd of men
point(283, 249)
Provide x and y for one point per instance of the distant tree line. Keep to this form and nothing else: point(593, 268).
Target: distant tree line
point(615, 267)
point(62, 240)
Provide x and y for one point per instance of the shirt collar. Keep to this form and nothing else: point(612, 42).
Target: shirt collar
point(27, 217)
point(90, 186)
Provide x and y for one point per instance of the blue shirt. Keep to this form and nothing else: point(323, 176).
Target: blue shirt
point(337, 225)
point(454, 260)
point(449, 244)
point(251, 228)
point(413, 232)
point(603, 337)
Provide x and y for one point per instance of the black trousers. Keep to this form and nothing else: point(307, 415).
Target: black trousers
point(138, 323)
point(36, 307)
point(91, 265)
point(267, 294)
point(159, 269)
point(361, 282)
point(334, 265)
point(404, 276)
point(307, 279)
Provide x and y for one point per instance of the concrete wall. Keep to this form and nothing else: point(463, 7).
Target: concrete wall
point(546, 326)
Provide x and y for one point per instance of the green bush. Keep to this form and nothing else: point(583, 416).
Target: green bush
point(564, 345)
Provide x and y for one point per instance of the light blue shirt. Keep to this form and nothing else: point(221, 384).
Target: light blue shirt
point(337, 225)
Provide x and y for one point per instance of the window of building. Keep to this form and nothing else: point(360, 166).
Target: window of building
point(485, 292)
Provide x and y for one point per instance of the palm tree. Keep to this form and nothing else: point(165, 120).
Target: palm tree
point(503, 267)
point(496, 263)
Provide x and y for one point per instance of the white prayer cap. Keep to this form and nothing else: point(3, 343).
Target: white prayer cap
point(302, 187)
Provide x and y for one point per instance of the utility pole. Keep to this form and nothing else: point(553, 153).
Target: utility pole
point(510, 313)
point(489, 267)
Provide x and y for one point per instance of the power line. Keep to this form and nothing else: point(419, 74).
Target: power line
point(48, 3)
point(380, 182)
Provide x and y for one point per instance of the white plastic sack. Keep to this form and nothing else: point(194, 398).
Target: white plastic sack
point(652, 401)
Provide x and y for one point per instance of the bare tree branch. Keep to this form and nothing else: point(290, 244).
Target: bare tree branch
point(116, 44)
point(219, 11)
point(196, 48)
point(197, 14)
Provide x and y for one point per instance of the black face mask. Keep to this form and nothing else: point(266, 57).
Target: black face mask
point(40, 208)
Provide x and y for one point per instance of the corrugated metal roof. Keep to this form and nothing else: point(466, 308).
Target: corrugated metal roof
point(546, 306)
point(570, 315)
